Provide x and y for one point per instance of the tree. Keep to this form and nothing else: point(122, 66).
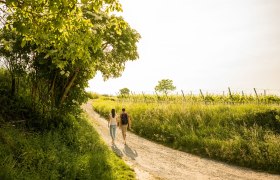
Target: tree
point(16, 58)
point(124, 92)
point(165, 85)
point(67, 42)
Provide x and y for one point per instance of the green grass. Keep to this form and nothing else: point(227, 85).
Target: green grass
point(246, 135)
point(36, 144)
point(75, 152)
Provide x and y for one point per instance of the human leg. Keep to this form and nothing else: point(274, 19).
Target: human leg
point(112, 133)
point(124, 129)
point(114, 128)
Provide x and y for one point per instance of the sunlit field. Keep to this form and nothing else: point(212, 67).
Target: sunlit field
point(242, 131)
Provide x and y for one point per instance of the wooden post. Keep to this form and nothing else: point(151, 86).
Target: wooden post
point(256, 94)
point(230, 95)
point(201, 93)
point(243, 98)
point(183, 95)
point(229, 91)
point(158, 98)
point(202, 96)
point(144, 96)
point(191, 97)
point(167, 99)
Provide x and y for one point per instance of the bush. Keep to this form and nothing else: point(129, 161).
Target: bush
point(93, 95)
point(74, 152)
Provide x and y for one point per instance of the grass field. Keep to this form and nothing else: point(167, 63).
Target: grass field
point(242, 134)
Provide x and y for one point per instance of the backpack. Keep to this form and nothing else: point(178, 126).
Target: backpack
point(124, 118)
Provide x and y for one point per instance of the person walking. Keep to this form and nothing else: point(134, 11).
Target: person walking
point(112, 124)
point(125, 122)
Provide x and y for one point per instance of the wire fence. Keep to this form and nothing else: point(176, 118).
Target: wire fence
point(229, 96)
point(250, 91)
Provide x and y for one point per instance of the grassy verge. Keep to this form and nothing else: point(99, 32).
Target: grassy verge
point(246, 135)
point(75, 152)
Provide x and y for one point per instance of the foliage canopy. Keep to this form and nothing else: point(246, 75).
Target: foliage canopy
point(59, 45)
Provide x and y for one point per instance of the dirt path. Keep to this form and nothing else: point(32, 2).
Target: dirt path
point(154, 161)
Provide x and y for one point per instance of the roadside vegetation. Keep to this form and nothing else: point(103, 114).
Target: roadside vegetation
point(73, 152)
point(49, 50)
point(67, 147)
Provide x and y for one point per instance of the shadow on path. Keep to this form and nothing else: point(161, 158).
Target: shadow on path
point(117, 150)
point(130, 152)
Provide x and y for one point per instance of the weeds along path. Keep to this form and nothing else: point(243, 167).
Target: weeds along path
point(154, 161)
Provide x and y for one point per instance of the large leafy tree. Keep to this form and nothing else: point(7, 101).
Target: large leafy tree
point(67, 41)
point(165, 86)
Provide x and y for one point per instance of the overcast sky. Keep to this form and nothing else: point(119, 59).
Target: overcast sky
point(201, 44)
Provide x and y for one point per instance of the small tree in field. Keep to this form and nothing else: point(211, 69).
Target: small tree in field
point(124, 92)
point(165, 86)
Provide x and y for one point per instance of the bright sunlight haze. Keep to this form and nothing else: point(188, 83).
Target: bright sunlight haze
point(201, 44)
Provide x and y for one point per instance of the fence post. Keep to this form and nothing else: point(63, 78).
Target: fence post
point(229, 91)
point(191, 96)
point(230, 95)
point(202, 95)
point(144, 96)
point(158, 98)
point(256, 94)
point(183, 95)
point(167, 99)
point(243, 97)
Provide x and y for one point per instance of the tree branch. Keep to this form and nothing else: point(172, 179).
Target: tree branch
point(68, 87)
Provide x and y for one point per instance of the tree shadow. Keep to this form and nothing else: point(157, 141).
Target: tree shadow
point(130, 152)
point(117, 151)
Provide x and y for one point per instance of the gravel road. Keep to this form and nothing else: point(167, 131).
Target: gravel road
point(154, 161)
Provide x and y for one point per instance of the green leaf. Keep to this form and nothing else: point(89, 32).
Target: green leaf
point(23, 42)
point(46, 56)
point(62, 72)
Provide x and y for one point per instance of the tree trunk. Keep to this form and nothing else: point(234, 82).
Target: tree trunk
point(52, 90)
point(17, 86)
point(68, 87)
point(13, 90)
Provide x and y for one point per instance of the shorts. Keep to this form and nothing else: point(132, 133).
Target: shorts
point(124, 128)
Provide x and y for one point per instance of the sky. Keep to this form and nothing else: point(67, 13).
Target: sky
point(201, 44)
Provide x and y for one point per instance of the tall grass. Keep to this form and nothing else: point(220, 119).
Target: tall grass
point(61, 146)
point(75, 152)
point(233, 98)
point(246, 134)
